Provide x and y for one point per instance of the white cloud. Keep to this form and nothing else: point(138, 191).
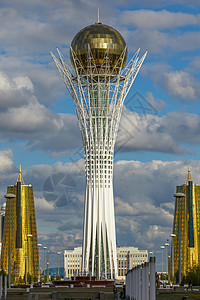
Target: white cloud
point(151, 19)
point(6, 162)
point(181, 84)
point(165, 134)
point(144, 202)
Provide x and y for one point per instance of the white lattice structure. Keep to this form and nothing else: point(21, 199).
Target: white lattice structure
point(98, 96)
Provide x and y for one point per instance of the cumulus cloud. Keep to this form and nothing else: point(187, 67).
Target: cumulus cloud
point(6, 162)
point(23, 117)
point(165, 134)
point(163, 19)
point(181, 84)
point(144, 202)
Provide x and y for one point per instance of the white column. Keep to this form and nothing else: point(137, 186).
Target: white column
point(143, 282)
point(134, 283)
point(1, 286)
point(147, 280)
point(139, 283)
point(5, 287)
point(152, 278)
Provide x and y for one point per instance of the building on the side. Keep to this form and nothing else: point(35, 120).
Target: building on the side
point(23, 231)
point(72, 262)
point(127, 258)
point(2, 217)
point(99, 84)
point(190, 226)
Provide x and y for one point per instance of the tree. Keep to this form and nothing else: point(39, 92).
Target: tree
point(193, 274)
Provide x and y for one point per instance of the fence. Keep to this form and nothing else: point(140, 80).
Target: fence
point(141, 282)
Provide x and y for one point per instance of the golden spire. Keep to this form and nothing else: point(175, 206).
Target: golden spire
point(20, 179)
point(189, 178)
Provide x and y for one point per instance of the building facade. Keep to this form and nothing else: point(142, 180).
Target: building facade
point(23, 231)
point(190, 226)
point(2, 218)
point(127, 258)
point(72, 262)
point(98, 84)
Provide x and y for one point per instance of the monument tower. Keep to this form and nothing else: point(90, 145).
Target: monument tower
point(98, 84)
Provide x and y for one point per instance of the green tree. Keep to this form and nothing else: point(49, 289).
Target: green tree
point(193, 274)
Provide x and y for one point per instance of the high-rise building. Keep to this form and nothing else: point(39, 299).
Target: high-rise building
point(23, 231)
point(127, 258)
point(189, 224)
point(98, 84)
point(2, 217)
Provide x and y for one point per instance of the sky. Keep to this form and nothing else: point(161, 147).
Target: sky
point(159, 129)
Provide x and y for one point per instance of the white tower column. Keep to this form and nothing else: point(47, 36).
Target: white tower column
point(98, 93)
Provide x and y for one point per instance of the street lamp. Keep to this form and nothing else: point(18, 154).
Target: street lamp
point(151, 253)
point(44, 259)
point(9, 197)
point(29, 236)
point(178, 196)
point(39, 245)
point(172, 236)
point(25, 268)
point(166, 247)
point(48, 265)
point(162, 247)
point(58, 261)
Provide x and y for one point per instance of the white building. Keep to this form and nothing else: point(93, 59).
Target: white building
point(72, 262)
point(127, 258)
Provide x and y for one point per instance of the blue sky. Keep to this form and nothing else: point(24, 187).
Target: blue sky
point(39, 130)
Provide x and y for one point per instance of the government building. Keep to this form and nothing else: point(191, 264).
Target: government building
point(20, 218)
point(189, 224)
point(127, 258)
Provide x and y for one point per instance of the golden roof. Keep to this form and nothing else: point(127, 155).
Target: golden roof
point(99, 37)
point(20, 179)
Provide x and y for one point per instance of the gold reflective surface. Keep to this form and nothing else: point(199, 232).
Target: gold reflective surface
point(99, 37)
point(190, 256)
point(20, 256)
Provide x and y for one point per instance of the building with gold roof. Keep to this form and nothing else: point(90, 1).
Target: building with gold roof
point(190, 226)
point(22, 223)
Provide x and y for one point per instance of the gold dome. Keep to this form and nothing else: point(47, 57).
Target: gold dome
point(99, 37)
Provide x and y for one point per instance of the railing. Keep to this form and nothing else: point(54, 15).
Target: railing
point(141, 282)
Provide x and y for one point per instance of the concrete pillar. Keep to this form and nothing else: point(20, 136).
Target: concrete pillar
point(134, 283)
point(127, 283)
point(152, 278)
point(143, 282)
point(146, 280)
point(5, 287)
point(139, 283)
point(1, 293)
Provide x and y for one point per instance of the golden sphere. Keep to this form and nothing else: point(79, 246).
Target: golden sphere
point(99, 37)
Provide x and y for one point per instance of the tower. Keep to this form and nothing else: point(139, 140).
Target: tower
point(189, 224)
point(98, 84)
point(23, 228)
